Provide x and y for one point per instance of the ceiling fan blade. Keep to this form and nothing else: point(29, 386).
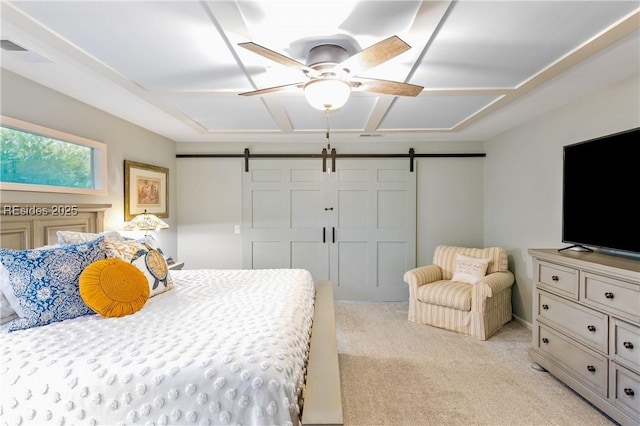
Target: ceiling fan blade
point(385, 87)
point(275, 89)
point(276, 57)
point(375, 55)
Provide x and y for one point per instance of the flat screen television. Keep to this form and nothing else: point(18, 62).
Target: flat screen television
point(601, 193)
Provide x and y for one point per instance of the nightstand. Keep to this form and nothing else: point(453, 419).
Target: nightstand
point(176, 266)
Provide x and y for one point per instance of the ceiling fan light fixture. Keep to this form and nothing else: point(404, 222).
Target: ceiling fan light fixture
point(327, 93)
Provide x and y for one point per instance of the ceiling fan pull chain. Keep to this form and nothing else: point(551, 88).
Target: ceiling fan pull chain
point(326, 111)
point(328, 139)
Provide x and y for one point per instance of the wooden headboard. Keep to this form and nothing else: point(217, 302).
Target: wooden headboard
point(27, 226)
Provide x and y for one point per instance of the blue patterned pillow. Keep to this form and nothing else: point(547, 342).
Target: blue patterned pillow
point(45, 282)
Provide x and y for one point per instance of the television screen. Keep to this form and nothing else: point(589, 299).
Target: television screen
point(601, 191)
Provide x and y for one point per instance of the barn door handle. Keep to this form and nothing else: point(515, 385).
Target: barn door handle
point(324, 235)
point(333, 234)
point(328, 208)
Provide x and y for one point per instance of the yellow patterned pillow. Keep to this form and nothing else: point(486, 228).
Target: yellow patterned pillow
point(113, 288)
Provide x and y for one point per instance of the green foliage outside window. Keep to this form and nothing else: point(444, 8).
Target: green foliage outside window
point(34, 159)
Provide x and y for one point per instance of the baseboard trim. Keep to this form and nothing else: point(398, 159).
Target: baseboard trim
point(521, 321)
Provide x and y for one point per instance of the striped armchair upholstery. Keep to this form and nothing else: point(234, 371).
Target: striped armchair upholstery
point(478, 309)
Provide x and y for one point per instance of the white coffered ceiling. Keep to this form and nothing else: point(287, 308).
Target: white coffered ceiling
point(175, 67)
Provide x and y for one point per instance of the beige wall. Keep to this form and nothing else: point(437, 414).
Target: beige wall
point(209, 207)
point(28, 101)
point(523, 176)
point(449, 198)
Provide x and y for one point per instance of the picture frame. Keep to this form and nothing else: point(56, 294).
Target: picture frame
point(146, 188)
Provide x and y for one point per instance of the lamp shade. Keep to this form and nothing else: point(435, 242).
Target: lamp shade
point(145, 222)
point(327, 93)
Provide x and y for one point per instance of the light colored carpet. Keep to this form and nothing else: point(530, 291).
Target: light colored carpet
point(395, 372)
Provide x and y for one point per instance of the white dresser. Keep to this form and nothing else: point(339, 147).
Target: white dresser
point(586, 326)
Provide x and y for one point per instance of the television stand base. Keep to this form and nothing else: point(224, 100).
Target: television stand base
point(577, 247)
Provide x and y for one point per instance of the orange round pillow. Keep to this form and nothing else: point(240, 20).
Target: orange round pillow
point(113, 287)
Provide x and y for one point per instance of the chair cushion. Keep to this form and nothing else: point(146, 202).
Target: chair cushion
point(452, 294)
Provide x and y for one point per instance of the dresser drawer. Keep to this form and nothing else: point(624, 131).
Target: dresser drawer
point(586, 325)
point(586, 365)
point(573, 291)
point(625, 390)
point(558, 279)
point(625, 343)
point(613, 295)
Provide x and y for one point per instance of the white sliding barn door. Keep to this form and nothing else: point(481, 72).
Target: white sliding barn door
point(375, 220)
point(283, 216)
point(355, 226)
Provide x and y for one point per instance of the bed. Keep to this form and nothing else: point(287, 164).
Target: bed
point(245, 347)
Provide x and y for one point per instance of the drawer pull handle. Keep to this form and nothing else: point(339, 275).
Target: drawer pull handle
point(545, 307)
point(591, 368)
point(555, 278)
point(591, 328)
point(629, 391)
point(628, 345)
point(608, 295)
point(545, 340)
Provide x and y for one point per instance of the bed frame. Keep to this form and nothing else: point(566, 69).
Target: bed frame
point(27, 226)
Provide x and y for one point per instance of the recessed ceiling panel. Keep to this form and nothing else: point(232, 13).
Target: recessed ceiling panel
point(503, 43)
point(231, 113)
point(160, 45)
point(310, 22)
point(175, 67)
point(433, 112)
point(352, 116)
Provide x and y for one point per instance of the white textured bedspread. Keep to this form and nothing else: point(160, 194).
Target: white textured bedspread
point(222, 347)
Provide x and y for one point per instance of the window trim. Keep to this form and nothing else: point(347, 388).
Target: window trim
point(99, 160)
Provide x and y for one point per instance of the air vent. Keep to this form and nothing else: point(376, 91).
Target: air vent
point(9, 45)
point(21, 54)
point(371, 135)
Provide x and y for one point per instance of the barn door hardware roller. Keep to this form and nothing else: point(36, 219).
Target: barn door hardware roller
point(331, 153)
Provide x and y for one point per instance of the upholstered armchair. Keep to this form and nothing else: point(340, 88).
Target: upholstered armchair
point(479, 304)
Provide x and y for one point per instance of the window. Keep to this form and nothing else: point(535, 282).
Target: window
point(35, 158)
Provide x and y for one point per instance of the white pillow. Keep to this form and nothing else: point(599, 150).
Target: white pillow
point(74, 237)
point(7, 313)
point(469, 269)
point(8, 301)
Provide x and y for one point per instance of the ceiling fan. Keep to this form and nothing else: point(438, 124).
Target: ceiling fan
point(331, 74)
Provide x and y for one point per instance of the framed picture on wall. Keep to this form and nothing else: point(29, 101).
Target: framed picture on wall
point(146, 188)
